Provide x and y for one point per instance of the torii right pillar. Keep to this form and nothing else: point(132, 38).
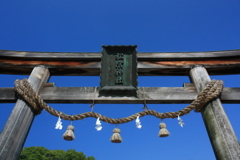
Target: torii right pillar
point(222, 136)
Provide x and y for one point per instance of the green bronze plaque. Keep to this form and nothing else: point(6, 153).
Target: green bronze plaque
point(119, 71)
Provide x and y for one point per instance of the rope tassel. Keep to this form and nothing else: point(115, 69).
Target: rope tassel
point(116, 137)
point(69, 134)
point(163, 131)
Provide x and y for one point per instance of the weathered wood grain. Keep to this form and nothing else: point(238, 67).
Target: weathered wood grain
point(88, 64)
point(19, 122)
point(154, 95)
point(220, 131)
point(97, 55)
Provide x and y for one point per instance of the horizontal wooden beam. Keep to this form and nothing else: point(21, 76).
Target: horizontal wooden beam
point(154, 95)
point(149, 63)
point(97, 55)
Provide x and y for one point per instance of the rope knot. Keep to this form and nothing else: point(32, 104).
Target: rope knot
point(211, 91)
point(25, 90)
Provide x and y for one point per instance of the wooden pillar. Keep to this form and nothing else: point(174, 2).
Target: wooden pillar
point(220, 131)
point(19, 122)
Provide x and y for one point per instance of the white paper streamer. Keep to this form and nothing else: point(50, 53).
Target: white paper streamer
point(59, 124)
point(180, 121)
point(99, 125)
point(138, 123)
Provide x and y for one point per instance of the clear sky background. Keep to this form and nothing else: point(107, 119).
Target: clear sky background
point(153, 25)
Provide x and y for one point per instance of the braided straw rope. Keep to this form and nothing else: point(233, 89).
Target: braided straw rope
point(24, 90)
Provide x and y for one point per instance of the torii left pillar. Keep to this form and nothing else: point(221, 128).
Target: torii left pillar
point(19, 122)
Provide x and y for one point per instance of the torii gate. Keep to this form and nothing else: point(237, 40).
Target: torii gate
point(197, 65)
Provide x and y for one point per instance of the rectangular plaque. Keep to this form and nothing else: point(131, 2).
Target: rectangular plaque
point(119, 71)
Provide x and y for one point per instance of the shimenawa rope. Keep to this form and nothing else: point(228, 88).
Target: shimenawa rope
point(212, 90)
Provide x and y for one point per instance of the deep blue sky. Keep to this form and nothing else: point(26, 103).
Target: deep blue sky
point(155, 26)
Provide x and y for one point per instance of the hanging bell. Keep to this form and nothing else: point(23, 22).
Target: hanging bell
point(116, 137)
point(69, 134)
point(163, 131)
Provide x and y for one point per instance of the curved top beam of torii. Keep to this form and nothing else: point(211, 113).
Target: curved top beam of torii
point(149, 63)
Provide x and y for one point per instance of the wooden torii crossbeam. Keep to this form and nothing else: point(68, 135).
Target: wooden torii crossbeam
point(154, 95)
point(196, 65)
point(149, 64)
